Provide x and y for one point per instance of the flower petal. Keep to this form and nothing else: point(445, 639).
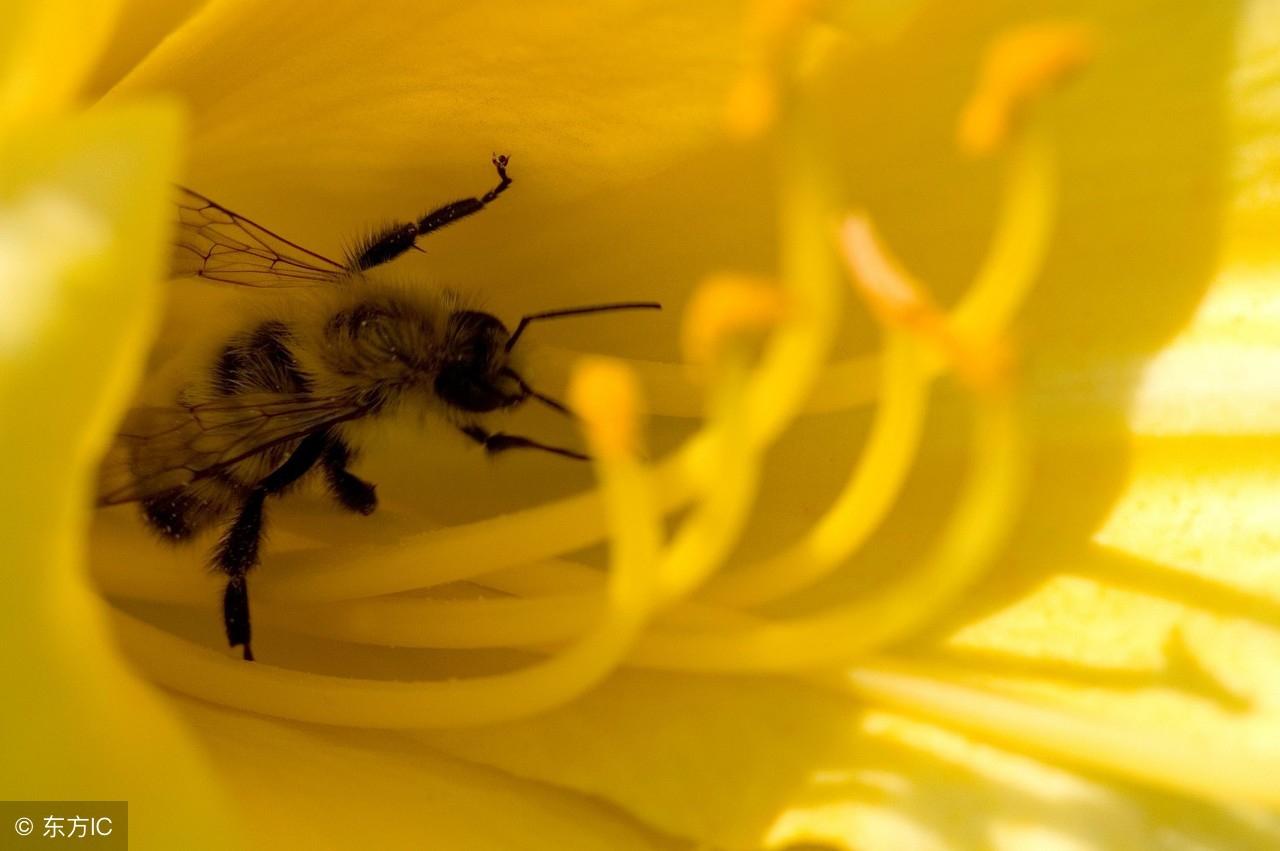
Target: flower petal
point(139, 26)
point(349, 117)
point(316, 787)
point(745, 764)
point(1165, 625)
point(82, 225)
point(45, 50)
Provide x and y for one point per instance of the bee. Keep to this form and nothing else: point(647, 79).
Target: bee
point(276, 403)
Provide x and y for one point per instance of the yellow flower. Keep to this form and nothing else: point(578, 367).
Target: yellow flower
point(982, 558)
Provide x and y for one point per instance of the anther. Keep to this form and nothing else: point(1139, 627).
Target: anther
point(724, 307)
point(899, 301)
point(1019, 67)
point(771, 29)
point(606, 397)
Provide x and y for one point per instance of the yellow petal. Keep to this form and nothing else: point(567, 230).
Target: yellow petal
point(1144, 141)
point(325, 787)
point(139, 26)
point(1161, 633)
point(1255, 134)
point(1110, 289)
point(83, 207)
point(388, 113)
point(767, 763)
point(45, 50)
point(85, 204)
point(1129, 155)
point(1164, 633)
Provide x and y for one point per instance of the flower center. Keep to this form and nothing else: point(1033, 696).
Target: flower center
point(675, 601)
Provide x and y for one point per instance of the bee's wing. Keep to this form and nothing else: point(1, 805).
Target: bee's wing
point(161, 448)
point(215, 243)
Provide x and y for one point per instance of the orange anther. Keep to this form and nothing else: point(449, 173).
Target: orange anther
point(725, 306)
point(1020, 65)
point(606, 396)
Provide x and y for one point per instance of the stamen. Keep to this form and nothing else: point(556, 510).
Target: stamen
point(466, 550)
point(536, 621)
point(726, 306)
point(1019, 67)
point(437, 556)
point(216, 677)
point(866, 499)
point(900, 301)
point(771, 30)
point(416, 622)
point(842, 633)
point(554, 576)
point(707, 535)
point(1001, 285)
point(606, 396)
point(791, 365)
point(607, 399)
point(1020, 241)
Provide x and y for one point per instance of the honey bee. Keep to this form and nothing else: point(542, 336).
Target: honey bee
point(274, 405)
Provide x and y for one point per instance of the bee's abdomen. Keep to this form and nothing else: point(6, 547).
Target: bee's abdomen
point(260, 361)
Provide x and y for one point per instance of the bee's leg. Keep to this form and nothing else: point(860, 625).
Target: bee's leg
point(392, 241)
point(495, 442)
point(353, 492)
point(237, 552)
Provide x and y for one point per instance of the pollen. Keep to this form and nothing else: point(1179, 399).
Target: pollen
point(1019, 67)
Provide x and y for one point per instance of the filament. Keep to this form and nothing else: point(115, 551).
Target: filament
point(842, 633)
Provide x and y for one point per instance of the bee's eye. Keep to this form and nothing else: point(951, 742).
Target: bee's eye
point(475, 337)
point(464, 387)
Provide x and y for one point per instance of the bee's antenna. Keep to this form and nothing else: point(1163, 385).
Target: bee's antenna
point(575, 311)
point(543, 398)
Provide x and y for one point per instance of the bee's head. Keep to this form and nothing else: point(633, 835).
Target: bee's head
point(477, 375)
point(474, 375)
